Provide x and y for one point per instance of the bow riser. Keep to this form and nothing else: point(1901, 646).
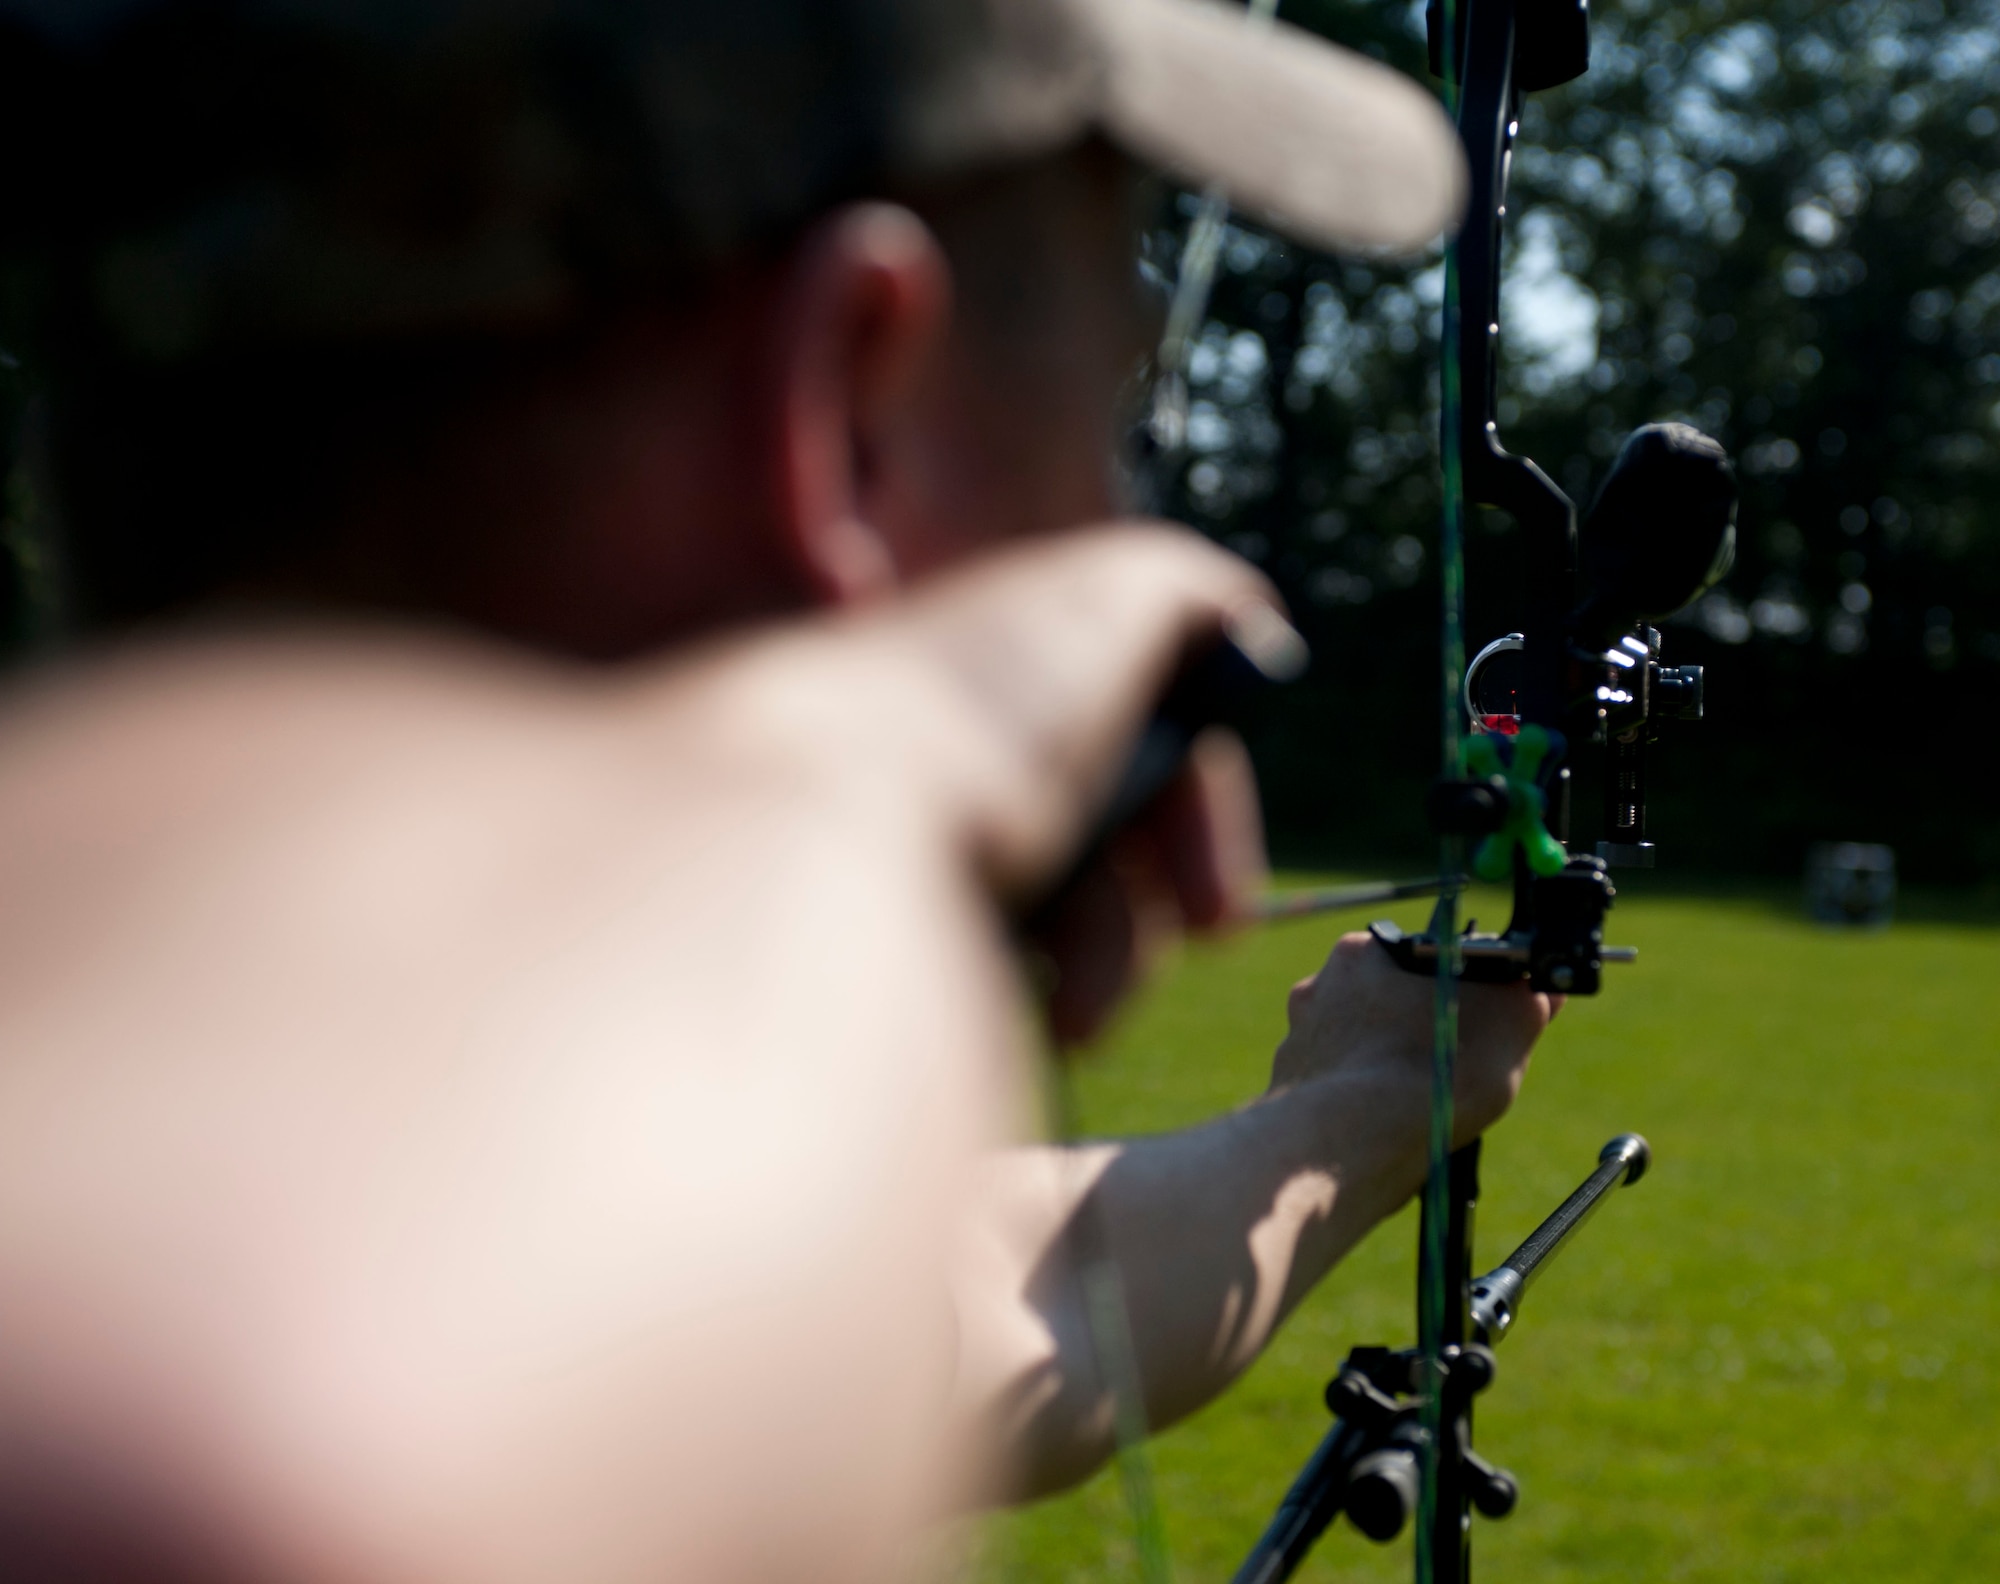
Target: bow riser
point(1585, 670)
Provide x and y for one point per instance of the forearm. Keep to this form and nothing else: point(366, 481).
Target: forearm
point(1214, 1234)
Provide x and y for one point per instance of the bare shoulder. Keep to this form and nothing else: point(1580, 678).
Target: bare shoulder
point(327, 788)
point(373, 1016)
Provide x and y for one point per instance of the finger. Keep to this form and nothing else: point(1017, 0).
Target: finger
point(1057, 653)
point(1194, 860)
point(1502, 1023)
point(1205, 834)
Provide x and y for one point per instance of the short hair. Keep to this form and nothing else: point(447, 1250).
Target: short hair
point(177, 479)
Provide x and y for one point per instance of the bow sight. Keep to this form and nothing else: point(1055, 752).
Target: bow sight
point(1661, 532)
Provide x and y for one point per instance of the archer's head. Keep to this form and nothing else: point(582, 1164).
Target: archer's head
point(591, 322)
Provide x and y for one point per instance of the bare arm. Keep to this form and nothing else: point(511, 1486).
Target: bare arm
point(1217, 1231)
point(462, 1119)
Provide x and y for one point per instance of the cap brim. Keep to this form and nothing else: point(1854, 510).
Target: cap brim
point(1325, 145)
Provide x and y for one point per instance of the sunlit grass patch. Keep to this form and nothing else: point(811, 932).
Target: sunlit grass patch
point(1769, 1361)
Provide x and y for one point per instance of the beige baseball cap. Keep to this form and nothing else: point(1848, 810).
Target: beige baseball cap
point(1324, 144)
point(331, 167)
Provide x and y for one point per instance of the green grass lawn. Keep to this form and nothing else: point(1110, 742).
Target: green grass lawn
point(1774, 1359)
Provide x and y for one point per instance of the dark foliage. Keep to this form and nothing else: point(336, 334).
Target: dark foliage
point(1776, 222)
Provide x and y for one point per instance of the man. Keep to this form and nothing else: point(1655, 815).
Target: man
point(482, 1100)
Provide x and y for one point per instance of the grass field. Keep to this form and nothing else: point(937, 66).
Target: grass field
point(1774, 1359)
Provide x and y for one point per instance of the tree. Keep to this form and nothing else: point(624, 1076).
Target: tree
point(1775, 223)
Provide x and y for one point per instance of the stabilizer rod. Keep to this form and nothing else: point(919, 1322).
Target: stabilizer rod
point(1367, 1464)
point(1496, 1297)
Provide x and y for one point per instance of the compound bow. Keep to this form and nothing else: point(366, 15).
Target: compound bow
point(1584, 668)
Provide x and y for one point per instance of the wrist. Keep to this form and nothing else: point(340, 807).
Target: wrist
point(1368, 1126)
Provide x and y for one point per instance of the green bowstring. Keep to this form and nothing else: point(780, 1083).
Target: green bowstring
point(1108, 1325)
point(1431, 1252)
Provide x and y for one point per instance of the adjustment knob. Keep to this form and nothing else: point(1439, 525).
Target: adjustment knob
point(1473, 1368)
point(1493, 1490)
point(1677, 693)
point(1349, 1395)
point(1467, 808)
point(1382, 1492)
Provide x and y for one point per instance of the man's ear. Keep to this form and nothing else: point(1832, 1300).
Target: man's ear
point(865, 307)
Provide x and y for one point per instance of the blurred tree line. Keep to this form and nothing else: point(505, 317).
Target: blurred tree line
point(1775, 221)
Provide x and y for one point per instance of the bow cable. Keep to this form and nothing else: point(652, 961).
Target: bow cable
point(1193, 282)
point(1106, 1315)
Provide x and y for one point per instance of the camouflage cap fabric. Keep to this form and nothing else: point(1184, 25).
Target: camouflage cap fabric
point(215, 172)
